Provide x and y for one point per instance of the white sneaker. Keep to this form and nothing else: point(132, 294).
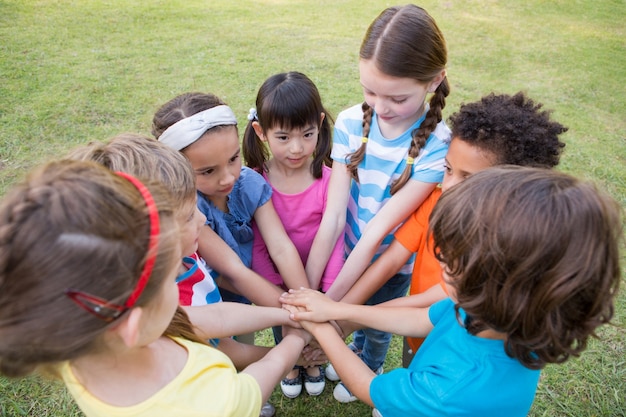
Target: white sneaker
point(376, 413)
point(314, 385)
point(331, 374)
point(343, 394)
point(291, 387)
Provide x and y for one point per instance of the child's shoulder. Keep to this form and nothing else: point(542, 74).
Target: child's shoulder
point(443, 132)
point(354, 112)
point(250, 180)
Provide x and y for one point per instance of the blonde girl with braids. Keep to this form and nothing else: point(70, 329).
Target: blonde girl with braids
point(88, 291)
point(388, 155)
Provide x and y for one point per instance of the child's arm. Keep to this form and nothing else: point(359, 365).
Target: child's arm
point(332, 224)
point(228, 319)
point(398, 208)
point(422, 300)
point(413, 322)
point(352, 370)
point(378, 273)
point(278, 361)
point(242, 354)
point(281, 249)
point(219, 256)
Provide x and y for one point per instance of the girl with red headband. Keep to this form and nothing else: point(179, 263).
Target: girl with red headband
point(102, 313)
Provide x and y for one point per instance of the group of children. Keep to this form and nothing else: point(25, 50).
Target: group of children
point(152, 250)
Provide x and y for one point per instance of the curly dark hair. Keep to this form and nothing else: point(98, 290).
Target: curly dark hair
point(533, 254)
point(514, 129)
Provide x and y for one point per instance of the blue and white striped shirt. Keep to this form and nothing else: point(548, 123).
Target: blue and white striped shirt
point(384, 162)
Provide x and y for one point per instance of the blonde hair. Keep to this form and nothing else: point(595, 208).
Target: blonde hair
point(73, 224)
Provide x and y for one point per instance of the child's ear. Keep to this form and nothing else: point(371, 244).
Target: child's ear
point(322, 117)
point(432, 86)
point(129, 328)
point(259, 131)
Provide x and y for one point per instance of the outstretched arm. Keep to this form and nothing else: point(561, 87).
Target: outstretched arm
point(227, 319)
point(280, 247)
point(319, 308)
point(219, 256)
point(332, 224)
point(422, 300)
point(279, 360)
point(352, 370)
point(398, 208)
point(378, 273)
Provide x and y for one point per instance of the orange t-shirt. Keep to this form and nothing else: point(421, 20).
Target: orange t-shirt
point(413, 235)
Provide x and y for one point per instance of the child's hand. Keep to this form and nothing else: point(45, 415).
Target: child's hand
point(319, 308)
point(303, 334)
point(292, 310)
point(313, 354)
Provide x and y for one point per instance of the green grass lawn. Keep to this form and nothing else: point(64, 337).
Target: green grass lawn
point(75, 71)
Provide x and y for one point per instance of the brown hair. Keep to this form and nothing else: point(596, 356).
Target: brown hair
point(77, 225)
point(143, 157)
point(288, 100)
point(534, 254)
point(405, 42)
point(181, 107)
point(514, 129)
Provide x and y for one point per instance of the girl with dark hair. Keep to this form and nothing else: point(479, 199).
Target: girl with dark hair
point(291, 122)
point(204, 129)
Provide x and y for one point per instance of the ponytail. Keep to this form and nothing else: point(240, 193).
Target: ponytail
point(254, 151)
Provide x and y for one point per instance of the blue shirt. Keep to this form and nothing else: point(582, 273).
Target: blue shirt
point(456, 374)
point(249, 193)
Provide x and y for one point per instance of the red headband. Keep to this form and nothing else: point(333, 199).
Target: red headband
point(104, 309)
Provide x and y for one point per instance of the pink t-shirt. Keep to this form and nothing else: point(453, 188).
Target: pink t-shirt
point(301, 215)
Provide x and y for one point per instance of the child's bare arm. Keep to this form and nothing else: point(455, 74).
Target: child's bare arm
point(278, 361)
point(378, 273)
point(242, 354)
point(228, 319)
point(223, 259)
point(281, 249)
point(422, 300)
point(395, 211)
point(352, 370)
point(412, 322)
point(332, 224)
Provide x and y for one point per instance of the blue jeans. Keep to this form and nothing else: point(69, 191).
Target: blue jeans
point(374, 344)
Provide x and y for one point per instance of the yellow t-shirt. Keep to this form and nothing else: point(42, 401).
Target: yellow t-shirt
point(208, 385)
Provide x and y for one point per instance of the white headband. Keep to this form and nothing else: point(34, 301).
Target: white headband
point(188, 130)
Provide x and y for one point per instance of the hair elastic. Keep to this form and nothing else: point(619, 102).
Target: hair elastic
point(364, 139)
point(252, 114)
point(410, 160)
point(188, 130)
point(107, 310)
